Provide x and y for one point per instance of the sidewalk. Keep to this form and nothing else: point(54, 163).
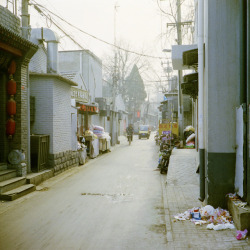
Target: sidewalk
point(181, 192)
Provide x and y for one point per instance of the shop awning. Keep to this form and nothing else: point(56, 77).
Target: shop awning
point(179, 52)
point(190, 85)
point(190, 57)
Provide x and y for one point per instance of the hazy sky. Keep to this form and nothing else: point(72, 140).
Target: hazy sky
point(138, 22)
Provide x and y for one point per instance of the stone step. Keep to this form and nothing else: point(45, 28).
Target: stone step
point(7, 174)
point(3, 166)
point(10, 184)
point(37, 178)
point(18, 192)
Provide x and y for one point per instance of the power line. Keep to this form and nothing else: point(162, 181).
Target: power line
point(101, 40)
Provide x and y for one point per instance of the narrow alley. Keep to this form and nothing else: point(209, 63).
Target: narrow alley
point(114, 202)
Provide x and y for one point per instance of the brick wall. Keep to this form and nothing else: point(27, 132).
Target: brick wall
point(53, 111)
point(62, 116)
point(20, 138)
point(9, 20)
point(42, 89)
point(38, 63)
point(63, 161)
point(3, 118)
point(53, 117)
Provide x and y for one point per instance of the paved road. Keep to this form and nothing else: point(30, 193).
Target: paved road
point(113, 202)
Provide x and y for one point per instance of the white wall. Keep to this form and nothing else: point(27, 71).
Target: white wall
point(53, 111)
point(88, 65)
point(92, 72)
point(38, 62)
point(61, 116)
point(43, 93)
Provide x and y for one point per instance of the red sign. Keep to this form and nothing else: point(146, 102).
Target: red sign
point(90, 109)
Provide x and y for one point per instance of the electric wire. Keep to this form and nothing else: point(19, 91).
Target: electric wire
point(80, 46)
point(101, 40)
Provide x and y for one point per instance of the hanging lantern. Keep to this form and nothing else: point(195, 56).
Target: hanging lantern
point(10, 127)
point(11, 87)
point(12, 68)
point(11, 106)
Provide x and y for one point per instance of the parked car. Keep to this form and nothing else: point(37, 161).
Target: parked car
point(144, 131)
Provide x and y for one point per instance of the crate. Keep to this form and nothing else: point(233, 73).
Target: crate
point(39, 148)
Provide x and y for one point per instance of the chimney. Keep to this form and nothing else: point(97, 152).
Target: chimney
point(39, 35)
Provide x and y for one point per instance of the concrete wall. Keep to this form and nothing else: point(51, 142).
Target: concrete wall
point(89, 66)
point(221, 96)
point(92, 73)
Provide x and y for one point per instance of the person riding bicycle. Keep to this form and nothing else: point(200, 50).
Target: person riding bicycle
point(130, 131)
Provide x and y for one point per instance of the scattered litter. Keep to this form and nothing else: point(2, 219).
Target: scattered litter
point(196, 213)
point(237, 200)
point(241, 235)
point(217, 219)
point(184, 216)
point(233, 196)
point(207, 211)
point(220, 226)
point(113, 197)
point(240, 204)
point(200, 222)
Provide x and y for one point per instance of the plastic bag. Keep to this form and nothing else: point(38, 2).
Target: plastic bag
point(207, 211)
point(241, 235)
point(220, 226)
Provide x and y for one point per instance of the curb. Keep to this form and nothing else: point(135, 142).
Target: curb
point(167, 216)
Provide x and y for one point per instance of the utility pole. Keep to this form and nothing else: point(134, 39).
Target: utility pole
point(180, 97)
point(26, 34)
point(114, 135)
point(178, 25)
point(25, 19)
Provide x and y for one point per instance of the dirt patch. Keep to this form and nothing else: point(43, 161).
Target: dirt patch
point(42, 188)
point(160, 229)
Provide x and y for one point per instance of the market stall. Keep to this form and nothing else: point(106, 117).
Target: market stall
point(104, 138)
point(92, 143)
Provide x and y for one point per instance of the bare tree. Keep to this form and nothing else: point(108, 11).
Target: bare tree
point(126, 59)
point(168, 11)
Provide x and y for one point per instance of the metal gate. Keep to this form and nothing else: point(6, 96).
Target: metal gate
point(39, 145)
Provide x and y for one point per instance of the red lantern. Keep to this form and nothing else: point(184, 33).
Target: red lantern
point(12, 68)
point(10, 127)
point(11, 87)
point(11, 106)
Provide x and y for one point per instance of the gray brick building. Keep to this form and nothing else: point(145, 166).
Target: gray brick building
point(18, 51)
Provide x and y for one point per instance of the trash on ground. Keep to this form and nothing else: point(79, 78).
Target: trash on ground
point(237, 200)
point(217, 219)
point(241, 235)
point(220, 226)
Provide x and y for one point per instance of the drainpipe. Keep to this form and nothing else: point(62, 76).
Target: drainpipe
point(201, 98)
point(243, 85)
point(248, 98)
